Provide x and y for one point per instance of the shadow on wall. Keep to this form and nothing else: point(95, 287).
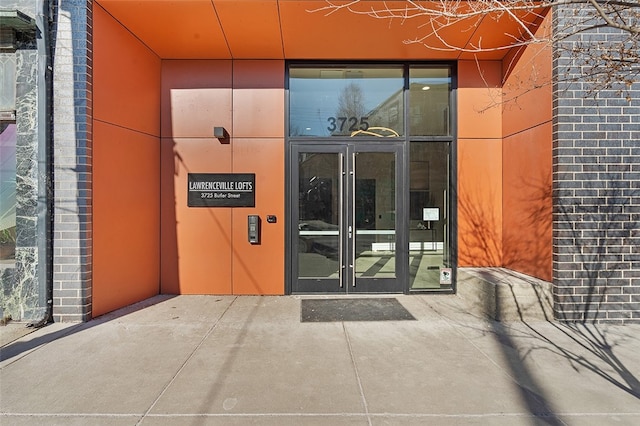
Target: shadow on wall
point(511, 230)
point(73, 214)
point(527, 233)
point(479, 236)
point(169, 270)
point(215, 240)
point(171, 247)
point(205, 249)
point(593, 243)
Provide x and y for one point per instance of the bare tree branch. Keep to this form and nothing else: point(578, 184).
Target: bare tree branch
point(605, 63)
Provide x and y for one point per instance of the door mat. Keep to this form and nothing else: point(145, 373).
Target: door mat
point(365, 309)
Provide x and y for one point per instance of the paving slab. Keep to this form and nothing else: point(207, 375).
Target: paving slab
point(434, 369)
point(211, 360)
point(257, 419)
point(13, 331)
point(95, 367)
point(564, 365)
point(18, 348)
point(260, 359)
point(67, 420)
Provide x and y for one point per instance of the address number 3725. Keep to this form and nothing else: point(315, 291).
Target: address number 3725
point(350, 124)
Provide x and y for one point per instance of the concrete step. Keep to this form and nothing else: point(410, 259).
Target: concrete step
point(505, 295)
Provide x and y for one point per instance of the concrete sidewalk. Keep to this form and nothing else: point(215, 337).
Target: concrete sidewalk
point(205, 360)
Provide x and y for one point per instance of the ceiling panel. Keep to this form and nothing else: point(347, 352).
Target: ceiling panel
point(499, 31)
point(312, 33)
point(251, 27)
point(294, 29)
point(184, 29)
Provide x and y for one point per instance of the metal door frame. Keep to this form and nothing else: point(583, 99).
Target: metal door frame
point(346, 282)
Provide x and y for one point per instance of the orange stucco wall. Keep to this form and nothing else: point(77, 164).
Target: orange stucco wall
point(504, 162)
point(126, 156)
point(527, 156)
point(205, 250)
point(153, 124)
point(479, 189)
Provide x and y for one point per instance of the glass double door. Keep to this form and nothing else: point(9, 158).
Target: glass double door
point(345, 200)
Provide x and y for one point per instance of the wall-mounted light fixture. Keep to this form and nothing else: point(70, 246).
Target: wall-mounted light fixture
point(222, 134)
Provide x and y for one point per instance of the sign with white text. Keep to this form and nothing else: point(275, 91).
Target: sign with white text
point(221, 190)
point(431, 214)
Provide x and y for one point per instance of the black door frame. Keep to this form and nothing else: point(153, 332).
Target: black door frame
point(402, 267)
point(347, 282)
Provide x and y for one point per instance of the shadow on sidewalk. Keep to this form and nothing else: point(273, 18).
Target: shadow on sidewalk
point(45, 334)
point(595, 352)
point(588, 347)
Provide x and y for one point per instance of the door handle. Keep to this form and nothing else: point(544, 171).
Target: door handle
point(353, 218)
point(340, 230)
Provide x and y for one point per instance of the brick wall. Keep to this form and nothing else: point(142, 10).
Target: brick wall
point(72, 229)
point(596, 186)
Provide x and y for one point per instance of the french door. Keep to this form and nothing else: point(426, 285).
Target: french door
point(345, 221)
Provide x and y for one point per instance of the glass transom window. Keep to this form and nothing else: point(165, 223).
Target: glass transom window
point(429, 110)
point(326, 102)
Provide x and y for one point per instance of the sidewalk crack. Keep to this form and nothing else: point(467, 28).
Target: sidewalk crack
point(186, 361)
point(355, 369)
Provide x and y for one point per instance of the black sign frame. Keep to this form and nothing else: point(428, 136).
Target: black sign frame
point(221, 190)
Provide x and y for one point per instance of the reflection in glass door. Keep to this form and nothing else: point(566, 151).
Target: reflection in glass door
point(430, 263)
point(319, 220)
point(345, 222)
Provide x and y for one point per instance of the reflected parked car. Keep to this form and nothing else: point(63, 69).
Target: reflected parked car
point(325, 239)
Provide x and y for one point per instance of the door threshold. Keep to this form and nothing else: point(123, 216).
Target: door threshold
point(344, 295)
